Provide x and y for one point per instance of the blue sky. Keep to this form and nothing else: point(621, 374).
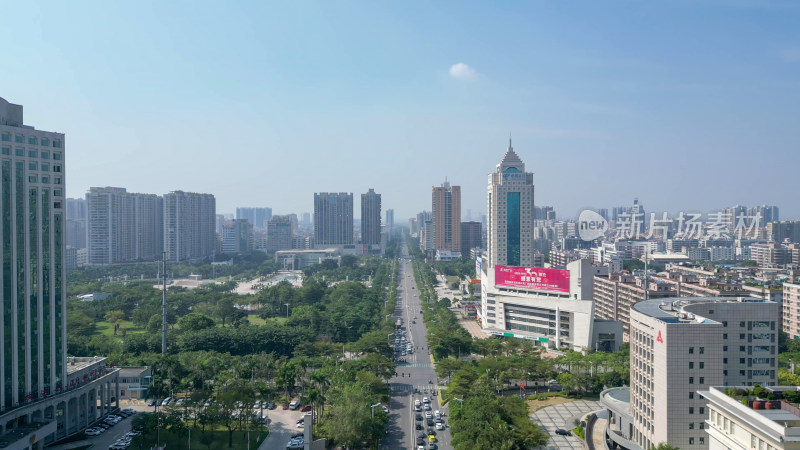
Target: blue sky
point(689, 105)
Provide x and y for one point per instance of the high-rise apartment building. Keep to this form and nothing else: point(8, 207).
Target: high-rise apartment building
point(371, 218)
point(258, 217)
point(123, 226)
point(189, 226)
point(682, 346)
point(783, 231)
point(279, 234)
point(765, 214)
point(390, 218)
point(39, 392)
point(471, 237)
point(446, 212)
point(791, 310)
point(333, 219)
point(77, 216)
point(237, 236)
point(510, 206)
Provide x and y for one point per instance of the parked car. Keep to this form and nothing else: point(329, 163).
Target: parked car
point(439, 426)
point(562, 432)
point(93, 432)
point(306, 408)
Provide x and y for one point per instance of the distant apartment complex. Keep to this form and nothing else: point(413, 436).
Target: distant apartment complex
point(123, 226)
point(333, 219)
point(446, 217)
point(280, 235)
point(258, 217)
point(471, 237)
point(237, 236)
point(189, 226)
point(371, 218)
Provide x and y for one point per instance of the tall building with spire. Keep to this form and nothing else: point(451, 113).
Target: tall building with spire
point(510, 208)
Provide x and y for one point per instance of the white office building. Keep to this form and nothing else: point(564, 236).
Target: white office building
point(682, 346)
point(189, 226)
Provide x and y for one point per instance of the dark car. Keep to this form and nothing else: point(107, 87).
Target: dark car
point(562, 432)
point(420, 427)
point(430, 422)
point(420, 441)
point(271, 405)
point(419, 417)
point(306, 408)
point(421, 435)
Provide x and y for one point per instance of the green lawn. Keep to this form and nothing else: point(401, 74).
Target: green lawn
point(107, 329)
point(217, 439)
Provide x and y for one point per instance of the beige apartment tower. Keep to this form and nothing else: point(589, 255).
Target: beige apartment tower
point(446, 203)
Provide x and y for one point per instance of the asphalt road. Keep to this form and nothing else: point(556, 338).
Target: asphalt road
point(415, 372)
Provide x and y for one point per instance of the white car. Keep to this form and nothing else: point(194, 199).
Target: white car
point(428, 415)
point(439, 426)
point(417, 403)
point(425, 400)
point(437, 414)
point(92, 432)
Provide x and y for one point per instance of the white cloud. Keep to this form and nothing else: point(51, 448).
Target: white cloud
point(463, 72)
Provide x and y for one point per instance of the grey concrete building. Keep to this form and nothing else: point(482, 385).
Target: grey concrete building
point(189, 226)
point(333, 219)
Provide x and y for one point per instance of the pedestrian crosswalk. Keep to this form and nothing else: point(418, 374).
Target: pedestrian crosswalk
point(406, 388)
point(421, 365)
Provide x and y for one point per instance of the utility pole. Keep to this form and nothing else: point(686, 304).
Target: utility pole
point(164, 309)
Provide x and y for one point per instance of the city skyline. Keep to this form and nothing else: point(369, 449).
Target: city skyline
point(597, 103)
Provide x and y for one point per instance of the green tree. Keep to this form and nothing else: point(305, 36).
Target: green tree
point(195, 321)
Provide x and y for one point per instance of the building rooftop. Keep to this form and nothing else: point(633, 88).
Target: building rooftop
point(672, 310)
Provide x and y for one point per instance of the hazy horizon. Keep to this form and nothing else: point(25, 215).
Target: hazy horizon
point(686, 105)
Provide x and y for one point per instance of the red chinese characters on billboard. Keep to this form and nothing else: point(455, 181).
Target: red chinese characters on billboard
point(532, 278)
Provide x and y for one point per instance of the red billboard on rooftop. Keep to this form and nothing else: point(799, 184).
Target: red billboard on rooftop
point(532, 278)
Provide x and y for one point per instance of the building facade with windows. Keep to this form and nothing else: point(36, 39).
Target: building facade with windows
point(680, 346)
point(371, 218)
point(471, 236)
point(791, 310)
point(446, 217)
point(333, 219)
point(280, 234)
point(510, 213)
point(237, 236)
point(258, 217)
point(189, 226)
point(41, 399)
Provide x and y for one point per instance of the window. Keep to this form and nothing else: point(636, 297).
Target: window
point(31, 166)
point(741, 324)
point(702, 381)
point(691, 410)
point(45, 155)
point(741, 360)
point(691, 380)
point(5, 137)
point(724, 324)
point(691, 350)
point(45, 166)
point(57, 192)
point(691, 395)
point(6, 150)
point(741, 348)
point(702, 410)
point(724, 348)
point(32, 154)
point(56, 143)
point(724, 335)
point(56, 168)
point(741, 335)
point(19, 152)
point(702, 426)
point(691, 425)
point(702, 441)
point(19, 139)
point(57, 205)
point(702, 350)
point(702, 365)
point(45, 142)
point(691, 441)
point(691, 365)
point(57, 156)
point(725, 372)
point(725, 360)
point(57, 180)
point(45, 179)
point(31, 178)
point(31, 140)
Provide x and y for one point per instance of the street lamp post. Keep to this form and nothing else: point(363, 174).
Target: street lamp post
point(372, 409)
point(287, 310)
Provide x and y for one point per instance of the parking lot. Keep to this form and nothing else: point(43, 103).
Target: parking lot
point(106, 439)
point(563, 416)
point(282, 426)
